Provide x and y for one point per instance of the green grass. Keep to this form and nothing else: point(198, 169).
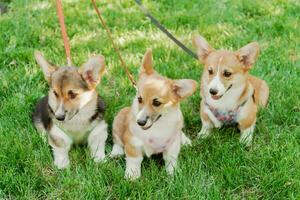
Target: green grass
point(215, 168)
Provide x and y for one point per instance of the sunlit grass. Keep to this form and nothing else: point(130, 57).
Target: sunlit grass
point(216, 168)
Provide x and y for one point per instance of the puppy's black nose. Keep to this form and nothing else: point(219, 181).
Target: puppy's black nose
point(141, 122)
point(60, 117)
point(213, 91)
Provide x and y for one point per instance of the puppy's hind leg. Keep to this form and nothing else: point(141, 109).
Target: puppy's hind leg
point(120, 124)
point(118, 147)
point(263, 94)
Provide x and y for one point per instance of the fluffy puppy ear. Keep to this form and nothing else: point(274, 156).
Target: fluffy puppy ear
point(147, 63)
point(46, 67)
point(202, 46)
point(183, 88)
point(93, 70)
point(248, 54)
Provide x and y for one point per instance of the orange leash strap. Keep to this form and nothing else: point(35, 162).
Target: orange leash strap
point(114, 45)
point(61, 19)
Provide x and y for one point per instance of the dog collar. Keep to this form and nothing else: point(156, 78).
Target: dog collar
point(230, 86)
point(157, 118)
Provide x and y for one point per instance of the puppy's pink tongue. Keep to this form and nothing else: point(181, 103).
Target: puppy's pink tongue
point(215, 97)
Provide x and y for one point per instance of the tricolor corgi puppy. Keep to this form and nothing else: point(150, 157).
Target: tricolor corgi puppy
point(72, 112)
point(153, 124)
point(229, 93)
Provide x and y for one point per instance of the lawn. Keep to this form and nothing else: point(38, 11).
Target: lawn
point(214, 168)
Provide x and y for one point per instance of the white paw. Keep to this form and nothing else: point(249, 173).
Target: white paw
point(62, 162)
point(217, 124)
point(204, 133)
point(132, 173)
point(246, 138)
point(116, 151)
point(185, 140)
point(99, 157)
point(170, 168)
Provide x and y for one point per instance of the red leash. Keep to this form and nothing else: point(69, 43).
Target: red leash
point(61, 19)
point(60, 15)
point(123, 64)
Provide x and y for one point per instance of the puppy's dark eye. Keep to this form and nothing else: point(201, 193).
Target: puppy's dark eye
point(227, 74)
point(140, 99)
point(156, 103)
point(55, 93)
point(210, 71)
point(72, 95)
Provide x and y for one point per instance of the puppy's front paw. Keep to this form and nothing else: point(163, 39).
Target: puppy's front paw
point(246, 138)
point(132, 174)
point(99, 157)
point(117, 151)
point(204, 133)
point(62, 162)
point(185, 140)
point(170, 169)
point(217, 124)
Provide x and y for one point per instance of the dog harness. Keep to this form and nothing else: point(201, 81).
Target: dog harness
point(227, 117)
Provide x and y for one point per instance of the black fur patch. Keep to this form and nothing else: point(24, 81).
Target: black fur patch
point(41, 113)
point(99, 110)
point(253, 96)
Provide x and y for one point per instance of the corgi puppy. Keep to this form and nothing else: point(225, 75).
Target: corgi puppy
point(153, 124)
point(72, 112)
point(229, 93)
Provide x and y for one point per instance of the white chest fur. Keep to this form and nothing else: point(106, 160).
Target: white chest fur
point(79, 126)
point(162, 133)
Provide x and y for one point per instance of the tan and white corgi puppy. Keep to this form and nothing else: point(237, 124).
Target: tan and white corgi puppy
point(229, 93)
point(72, 112)
point(153, 124)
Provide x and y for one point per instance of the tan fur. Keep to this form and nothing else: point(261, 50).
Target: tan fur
point(156, 96)
point(234, 62)
point(66, 82)
point(72, 112)
point(148, 91)
point(130, 150)
point(261, 90)
point(120, 125)
point(251, 117)
point(121, 132)
point(227, 61)
point(91, 74)
point(237, 64)
point(244, 94)
point(204, 116)
point(147, 63)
